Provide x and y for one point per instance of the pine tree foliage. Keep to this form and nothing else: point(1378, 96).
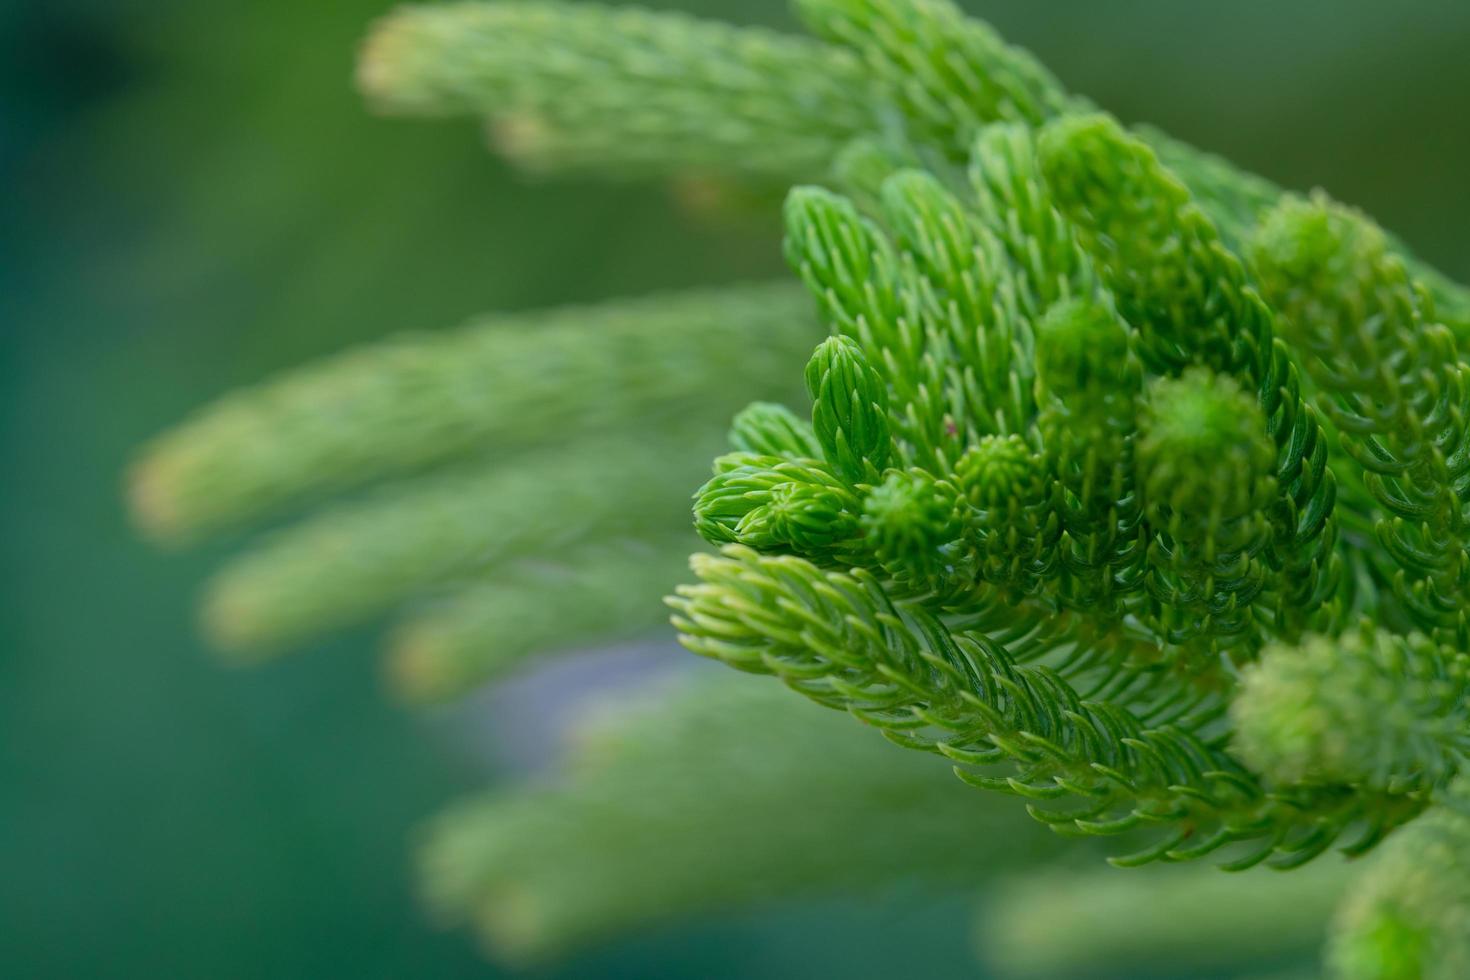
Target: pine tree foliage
point(1094, 767)
point(1396, 388)
point(484, 629)
point(500, 471)
point(1079, 598)
point(1192, 303)
point(1198, 922)
point(1409, 914)
point(947, 74)
point(1131, 485)
point(585, 87)
point(1089, 390)
point(361, 559)
point(702, 797)
point(772, 429)
point(591, 87)
point(1203, 439)
point(500, 383)
point(1366, 707)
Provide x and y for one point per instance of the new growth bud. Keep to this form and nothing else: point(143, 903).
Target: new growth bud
point(770, 502)
point(907, 521)
point(769, 429)
point(849, 410)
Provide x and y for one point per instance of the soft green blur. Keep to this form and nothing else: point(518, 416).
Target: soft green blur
point(195, 197)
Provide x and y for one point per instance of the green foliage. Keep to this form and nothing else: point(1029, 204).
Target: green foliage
point(1114, 767)
point(1155, 249)
point(361, 559)
point(1066, 513)
point(1197, 922)
point(482, 630)
point(1014, 520)
point(703, 797)
point(1205, 475)
point(912, 523)
point(776, 503)
point(1110, 488)
point(615, 91)
point(500, 383)
point(769, 429)
point(945, 73)
point(1409, 915)
point(1089, 387)
point(1192, 303)
point(469, 421)
point(849, 410)
point(899, 311)
point(1366, 707)
point(581, 86)
point(1394, 385)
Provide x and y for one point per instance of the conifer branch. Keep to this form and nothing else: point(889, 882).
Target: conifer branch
point(911, 523)
point(1206, 476)
point(1192, 302)
point(482, 630)
point(977, 316)
point(619, 91)
point(501, 383)
point(778, 503)
point(1157, 251)
point(1062, 499)
point(707, 796)
point(1366, 708)
point(948, 74)
point(1055, 923)
point(1089, 386)
point(849, 410)
point(839, 640)
point(1015, 514)
point(949, 376)
point(358, 560)
point(1398, 392)
point(772, 429)
point(1238, 202)
point(1012, 200)
point(583, 86)
point(1409, 914)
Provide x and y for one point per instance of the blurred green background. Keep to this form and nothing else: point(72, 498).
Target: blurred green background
point(193, 198)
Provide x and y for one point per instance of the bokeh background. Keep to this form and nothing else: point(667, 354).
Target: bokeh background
point(191, 197)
